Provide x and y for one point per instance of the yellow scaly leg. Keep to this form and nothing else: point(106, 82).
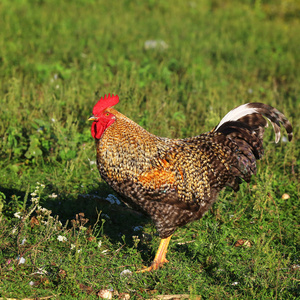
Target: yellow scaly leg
point(160, 257)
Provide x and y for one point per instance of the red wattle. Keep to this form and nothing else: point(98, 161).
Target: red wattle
point(98, 128)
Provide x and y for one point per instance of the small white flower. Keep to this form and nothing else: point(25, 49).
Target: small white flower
point(31, 283)
point(125, 272)
point(33, 194)
point(92, 162)
point(235, 283)
point(23, 242)
point(53, 195)
point(79, 250)
point(53, 120)
point(99, 244)
point(62, 238)
point(42, 185)
point(45, 211)
point(17, 215)
point(72, 246)
point(21, 260)
point(104, 251)
point(35, 200)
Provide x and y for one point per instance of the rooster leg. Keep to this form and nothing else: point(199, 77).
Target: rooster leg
point(160, 257)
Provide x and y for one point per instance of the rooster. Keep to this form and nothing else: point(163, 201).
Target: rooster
point(175, 181)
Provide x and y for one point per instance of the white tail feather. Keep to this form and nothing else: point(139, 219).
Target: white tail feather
point(237, 113)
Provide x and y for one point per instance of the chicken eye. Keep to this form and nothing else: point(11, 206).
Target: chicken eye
point(107, 114)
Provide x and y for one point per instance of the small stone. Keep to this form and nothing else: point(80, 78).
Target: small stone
point(105, 294)
point(285, 196)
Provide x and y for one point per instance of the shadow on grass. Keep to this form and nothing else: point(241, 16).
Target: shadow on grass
point(118, 219)
point(102, 203)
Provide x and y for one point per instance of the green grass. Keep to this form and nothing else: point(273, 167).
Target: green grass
point(57, 58)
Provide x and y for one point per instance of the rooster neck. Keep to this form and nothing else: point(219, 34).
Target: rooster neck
point(127, 141)
point(124, 130)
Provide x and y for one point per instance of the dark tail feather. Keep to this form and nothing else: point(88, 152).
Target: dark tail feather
point(252, 115)
point(245, 126)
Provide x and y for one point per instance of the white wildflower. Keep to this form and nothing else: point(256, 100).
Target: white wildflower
point(125, 272)
point(31, 283)
point(235, 283)
point(45, 210)
point(23, 242)
point(33, 194)
point(82, 228)
point(42, 185)
point(104, 251)
point(92, 162)
point(53, 195)
point(79, 250)
point(62, 238)
point(73, 246)
point(35, 200)
point(99, 244)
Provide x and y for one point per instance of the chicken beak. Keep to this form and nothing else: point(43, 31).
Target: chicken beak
point(92, 118)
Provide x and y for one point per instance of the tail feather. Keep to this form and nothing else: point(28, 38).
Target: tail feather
point(251, 114)
point(245, 126)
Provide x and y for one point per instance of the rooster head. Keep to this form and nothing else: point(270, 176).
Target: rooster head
point(101, 118)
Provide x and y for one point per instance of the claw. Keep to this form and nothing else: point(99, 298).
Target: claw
point(160, 257)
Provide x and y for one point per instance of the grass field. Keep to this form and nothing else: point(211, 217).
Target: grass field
point(178, 68)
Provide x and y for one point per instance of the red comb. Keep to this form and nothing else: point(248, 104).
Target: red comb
point(105, 102)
